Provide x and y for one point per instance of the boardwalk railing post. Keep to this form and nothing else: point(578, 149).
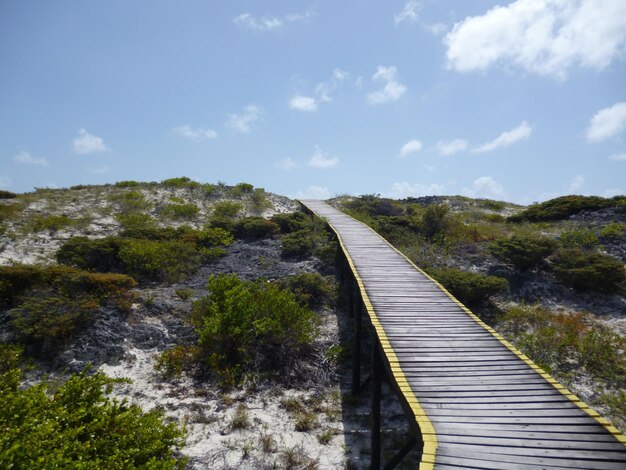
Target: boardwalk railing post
point(376, 391)
point(356, 355)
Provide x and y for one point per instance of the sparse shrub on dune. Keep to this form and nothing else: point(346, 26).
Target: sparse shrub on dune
point(312, 289)
point(254, 228)
point(588, 270)
point(524, 252)
point(613, 231)
point(578, 238)
point(7, 194)
point(469, 288)
point(179, 211)
point(561, 208)
point(291, 222)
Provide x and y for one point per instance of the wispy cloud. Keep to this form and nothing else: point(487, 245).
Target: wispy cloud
point(411, 147)
point(451, 147)
point(408, 13)
point(286, 164)
point(618, 157)
point(545, 37)
point(392, 89)
point(607, 123)
point(485, 187)
point(197, 134)
point(322, 160)
point(268, 23)
point(5, 181)
point(86, 143)
point(303, 103)
point(27, 159)
point(507, 138)
point(243, 122)
point(314, 192)
point(323, 93)
point(576, 184)
point(403, 189)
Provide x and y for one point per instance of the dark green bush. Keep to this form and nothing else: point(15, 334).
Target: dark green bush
point(100, 254)
point(300, 243)
point(292, 221)
point(227, 209)
point(312, 289)
point(578, 238)
point(469, 288)
point(134, 220)
point(7, 194)
point(181, 182)
point(186, 211)
point(52, 223)
point(435, 220)
point(244, 187)
point(254, 228)
point(613, 230)
point(78, 426)
point(251, 327)
point(524, 252)
point(174, 361)
point(127, 184)
point(563, 207)
point(588, 270)
point(491, 204)
point(130, 201)
point(8, 211)
point(373, 205)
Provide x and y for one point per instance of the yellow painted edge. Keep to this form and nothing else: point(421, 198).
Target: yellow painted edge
point(429, 437)
point(573, 398)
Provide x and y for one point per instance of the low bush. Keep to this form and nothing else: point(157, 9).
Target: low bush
point(292, 221)
point(7, 194)
point(562, 207)
point(77, 426)
point(469, 288)
point(255, 228)
point(435, 220)
point(8, 211)
point(178, 211)
point(180, 182)
point(588, 270)
point(100, 254)
point(259, 201)
point(524, 252)
point(127, 184)
point(134, 220)
point(612, 231)
point(130, 201)
point(560, 342)
point(578, 238)
point(251, 327)
point(300, 243)
point(174, 361)
point(227, 209)
point(52, 223)
point(373, 205)
point(491, 204)
point(312, 289)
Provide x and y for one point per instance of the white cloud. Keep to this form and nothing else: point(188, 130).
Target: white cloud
point(451, 147)
point(619, 157)
point(577, 183)
point(286, 164)
point(314, 192)
point(408, 13)
point(507, 138)
point(485, 187)
point(541, 36)
point(87, 143)
point(412, 146)
point(27, 159)
point(197, 134)
point(322, 160)
point(303, 103)
point(607, 122)
point(436, 29)
point(5, 182)
point(610, 192)
point(100, 170)
point(402, 190)
point(391, 91)
point(243, 122)
point(271, 23)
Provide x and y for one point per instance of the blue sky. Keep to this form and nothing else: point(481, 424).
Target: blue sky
point(520, 101)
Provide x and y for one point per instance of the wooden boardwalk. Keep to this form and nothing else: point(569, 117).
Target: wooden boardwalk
point(475, 400)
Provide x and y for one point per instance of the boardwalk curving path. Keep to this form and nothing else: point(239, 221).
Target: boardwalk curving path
point(477, 401)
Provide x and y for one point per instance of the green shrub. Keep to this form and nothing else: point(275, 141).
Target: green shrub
point(7, 194)
point(100, 254)
point(244, 187)
point(168, 261)
point(588, 270)
point(209, 189)
point(227, 209)
point(246, 326)
point(78, 426)
point(578, 238)
point(259, 201)
point(613, 230)
point(10, 356)
point(300, 243)
point(373, 205)
point(174, 361)
point(491, 204)
point(312, 289)
point(254, 228)
point(130, 201)
point(8, 211)
point(563, 207)
point(180, 211)
point(469, 288)
point(52, 223)
point(181, 182)
point(292, 221)
point(435, 220)
point(524, 252)
point(133, 220)
point(127, 184)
